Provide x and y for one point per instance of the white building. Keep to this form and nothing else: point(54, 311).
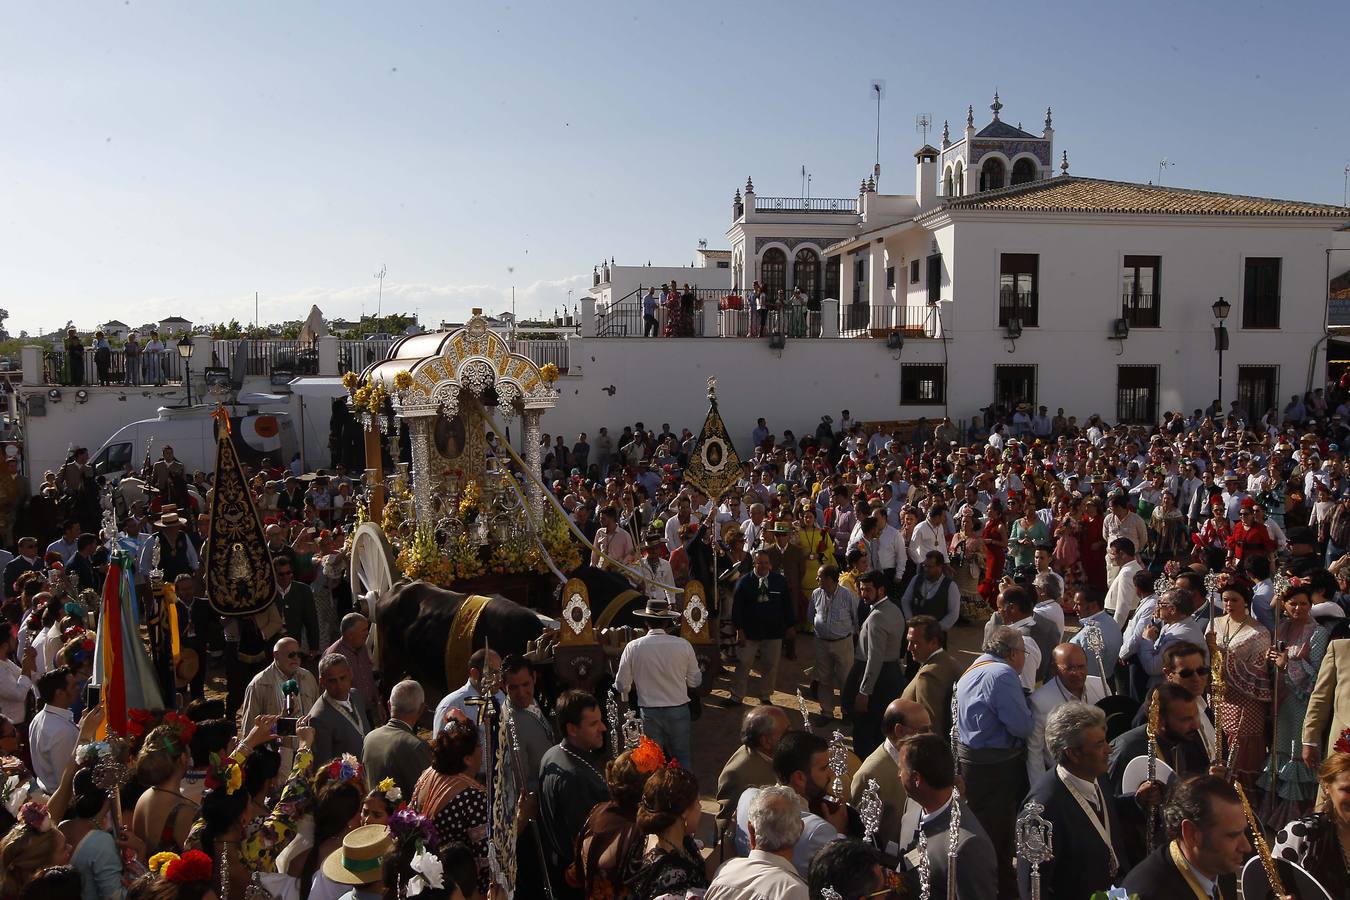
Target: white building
point(1010, 284)
point(174, 326)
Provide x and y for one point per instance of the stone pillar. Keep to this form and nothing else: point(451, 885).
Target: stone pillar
point(419, 435)
point(533, 492)
point(711, 318)
point(829, 318)
point(876, 285)
point(588, 316)
point(328, 356)
point(31, 357)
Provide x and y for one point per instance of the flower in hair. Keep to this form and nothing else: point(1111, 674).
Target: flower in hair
point(408, 824)
point(430, 872)
point(193, 865)
point(1343, 742)
point(647, 756)
point(160, 860)
point(34, 817)
point(89, 755)
point(391, 791)
point(345, 768)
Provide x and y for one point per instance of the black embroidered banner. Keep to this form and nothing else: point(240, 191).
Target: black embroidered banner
point(239, 577)
point(714, 466)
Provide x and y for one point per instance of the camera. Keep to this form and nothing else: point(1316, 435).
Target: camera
point(286, 726)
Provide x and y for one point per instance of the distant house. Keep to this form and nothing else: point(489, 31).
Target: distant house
point(114, 329)
point(174, 326)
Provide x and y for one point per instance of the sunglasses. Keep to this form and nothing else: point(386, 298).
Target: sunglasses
point(293, 655)
point(1202, 671)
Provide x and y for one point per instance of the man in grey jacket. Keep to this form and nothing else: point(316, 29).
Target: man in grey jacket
point(339, 721)
point(394, 750)
point(928, 774)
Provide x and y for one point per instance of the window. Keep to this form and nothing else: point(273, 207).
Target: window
point(723, 264)
point(1261, 292)
point(859, 278)
point(1024, 170)
point(1014, 385)
point(923, 385)
point(1139, 296)
point(913, 271)
point(1137, 394)
point(806, 274)
point(992, 174)
point(935, 278)
point(890, 276)
point(1017, 289)
point(832, 277)
point(773, 272)
point(1258, 389)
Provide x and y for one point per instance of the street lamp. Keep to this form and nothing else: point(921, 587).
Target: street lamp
point(1221, 308)
point(185, 349)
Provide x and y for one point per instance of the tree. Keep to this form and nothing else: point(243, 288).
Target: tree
point(4, 332)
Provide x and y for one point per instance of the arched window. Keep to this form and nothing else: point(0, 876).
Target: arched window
point(959, 179)
point(991, 174)
point(806, 274)
point(947, 182)
point(773, 272)
point(1024, 170)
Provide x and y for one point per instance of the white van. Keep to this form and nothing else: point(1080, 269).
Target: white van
point(191, 432)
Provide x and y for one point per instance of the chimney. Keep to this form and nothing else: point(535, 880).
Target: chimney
point(925, 177)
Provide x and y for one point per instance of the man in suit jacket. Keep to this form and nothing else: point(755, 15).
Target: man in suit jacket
point(752, 763)
point(1090, 853)
point(901, 719)
point(928, 773)
point(1329, 702)
point(932, 686)
point(264, 695)
point(1070, 682)
point(296, 602)
point(339, 721)
point(1207, 843)
point(394, 750)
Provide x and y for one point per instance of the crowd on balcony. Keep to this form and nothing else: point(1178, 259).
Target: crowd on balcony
point(134, 363)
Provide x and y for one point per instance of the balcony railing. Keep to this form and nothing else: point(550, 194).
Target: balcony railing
point(263, 357)
point(841, 205)
point(354, 356)
point(544, 352)
point(1141, 310)
point(162, 367)
point(1021, 305)
point(866, 320)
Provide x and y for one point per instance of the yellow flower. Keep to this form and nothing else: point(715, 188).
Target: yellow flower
point(402, 380)
point(234, 779)
point(386, 785)
point(350, 381)
point(549, 372)
point(160, 860)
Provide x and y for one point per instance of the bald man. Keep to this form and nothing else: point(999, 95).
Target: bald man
point(899, 815)
point(752, 763)
point(264, 696)
point(1071, 682)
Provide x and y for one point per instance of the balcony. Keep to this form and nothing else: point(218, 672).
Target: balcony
point(841, 205)
point(1140, 309)
point(862, 320)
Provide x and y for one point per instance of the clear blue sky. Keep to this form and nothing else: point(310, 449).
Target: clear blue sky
point(172, 158)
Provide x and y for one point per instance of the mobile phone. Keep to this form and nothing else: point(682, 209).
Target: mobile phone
point(92, 695)
point(286, 726)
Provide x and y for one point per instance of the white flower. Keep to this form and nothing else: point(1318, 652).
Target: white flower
point(394, 794)
point(430, 872)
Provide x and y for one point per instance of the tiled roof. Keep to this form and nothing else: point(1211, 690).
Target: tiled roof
point(1000, 129)
point(1068, 193)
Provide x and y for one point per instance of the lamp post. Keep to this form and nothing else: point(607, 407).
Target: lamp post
point(185, 348)
point(1221, 308)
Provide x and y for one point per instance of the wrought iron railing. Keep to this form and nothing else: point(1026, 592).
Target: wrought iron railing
point(866, 320)
point(263, 357)
point(1140, 309)
point(140, 368)
point(354, 356)
point(843, 205)
point(543, 352)
point(1021, 305)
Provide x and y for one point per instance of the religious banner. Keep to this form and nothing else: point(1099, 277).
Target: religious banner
point(714, 466)
point(239, 577)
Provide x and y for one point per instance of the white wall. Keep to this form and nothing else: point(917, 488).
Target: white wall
point(1081, 261)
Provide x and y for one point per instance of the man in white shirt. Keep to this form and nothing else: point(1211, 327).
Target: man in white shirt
point(1121, 597)
point(929, 535)
point(656, 569)
point(663, 669)
point(890, 550)
point(15, 678)
point(1071, 682)
point(52, 733)
point(613, 541)
point(482, 660)
point(774, 826)
point(1014, 605)
point(1049, 589)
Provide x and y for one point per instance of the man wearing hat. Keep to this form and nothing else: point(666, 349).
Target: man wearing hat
point(663, 669)
point(656, 569)
point(177, 556)
point(1303, 557)
point(359, 862)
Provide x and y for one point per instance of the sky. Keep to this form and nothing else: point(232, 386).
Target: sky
point(175, 158)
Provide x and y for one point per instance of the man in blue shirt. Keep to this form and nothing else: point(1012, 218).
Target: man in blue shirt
point(1088, 606)
point(650, 326)
point(993, 723)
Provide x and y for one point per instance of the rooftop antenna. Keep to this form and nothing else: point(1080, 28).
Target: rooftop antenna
point(878, 88)
point(1163, 165)
point(1345, 188)
point(379, 303)
point(923, 122)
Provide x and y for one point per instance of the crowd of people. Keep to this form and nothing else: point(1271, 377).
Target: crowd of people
point(1177, 591)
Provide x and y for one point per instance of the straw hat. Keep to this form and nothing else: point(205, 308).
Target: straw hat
point(360, 858)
